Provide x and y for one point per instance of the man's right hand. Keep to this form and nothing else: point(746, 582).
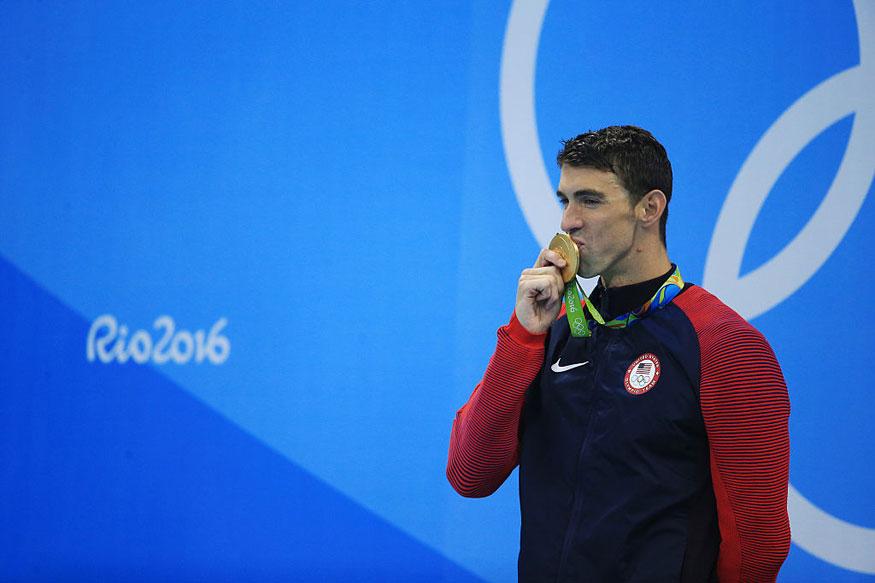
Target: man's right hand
point(539, 294)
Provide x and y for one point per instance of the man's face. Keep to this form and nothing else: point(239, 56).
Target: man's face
point(599, 215)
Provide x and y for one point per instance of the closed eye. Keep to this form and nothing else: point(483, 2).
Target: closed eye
point(589, 198)
point(590, 201)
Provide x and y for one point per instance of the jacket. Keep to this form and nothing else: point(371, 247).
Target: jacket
point(656, 452)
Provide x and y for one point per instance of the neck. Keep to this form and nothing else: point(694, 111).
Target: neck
point(641, 265)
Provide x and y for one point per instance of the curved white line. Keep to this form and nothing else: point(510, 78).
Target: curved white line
point(836, 541)
point(786, 272)
point(519, 130)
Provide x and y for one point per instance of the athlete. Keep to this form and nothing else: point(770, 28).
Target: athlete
point(652, 442)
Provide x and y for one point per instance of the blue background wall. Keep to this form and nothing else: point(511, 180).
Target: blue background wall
point(335, 183)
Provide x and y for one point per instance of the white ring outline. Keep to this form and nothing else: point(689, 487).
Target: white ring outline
point(831, 539)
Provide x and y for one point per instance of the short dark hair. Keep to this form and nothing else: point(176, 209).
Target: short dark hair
point(632, 153)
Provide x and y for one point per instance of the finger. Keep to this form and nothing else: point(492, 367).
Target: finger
point(552, 272)
point(550, 292)
point(546, 270)
point(550, 257)
point(542, 286)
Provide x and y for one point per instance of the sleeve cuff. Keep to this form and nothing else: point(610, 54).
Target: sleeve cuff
point(518, 333)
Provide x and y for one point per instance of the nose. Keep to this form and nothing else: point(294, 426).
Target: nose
point(571, 219)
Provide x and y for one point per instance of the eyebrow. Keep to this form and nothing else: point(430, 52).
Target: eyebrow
point(584, 192)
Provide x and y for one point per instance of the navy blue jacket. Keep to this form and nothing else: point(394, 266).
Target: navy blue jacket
point(664, 458)
point(616, 486)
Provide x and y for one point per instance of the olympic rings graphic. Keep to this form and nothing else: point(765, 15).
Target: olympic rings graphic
point(834, 540)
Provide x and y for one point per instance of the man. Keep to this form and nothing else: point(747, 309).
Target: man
point(654, 449)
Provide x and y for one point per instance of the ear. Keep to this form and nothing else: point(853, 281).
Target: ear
point(650, 208)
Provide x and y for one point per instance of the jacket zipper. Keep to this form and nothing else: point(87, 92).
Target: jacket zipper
point(577, 500)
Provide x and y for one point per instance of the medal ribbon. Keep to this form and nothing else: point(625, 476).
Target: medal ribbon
point(577, 319)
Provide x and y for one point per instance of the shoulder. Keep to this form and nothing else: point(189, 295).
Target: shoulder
point(738, 366)
point(714, 321)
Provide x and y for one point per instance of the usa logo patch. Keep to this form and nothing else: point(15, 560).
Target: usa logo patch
point(642, 374)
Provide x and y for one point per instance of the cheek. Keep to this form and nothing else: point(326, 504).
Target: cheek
point(616, 236)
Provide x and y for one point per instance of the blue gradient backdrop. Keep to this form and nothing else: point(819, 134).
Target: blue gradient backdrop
point(330, 178)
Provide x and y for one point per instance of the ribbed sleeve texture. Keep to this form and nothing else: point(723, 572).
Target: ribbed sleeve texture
point(484, 440)
point(746, 408)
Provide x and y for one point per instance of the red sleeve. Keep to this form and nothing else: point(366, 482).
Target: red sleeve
point(484, 440)
point(746, 409)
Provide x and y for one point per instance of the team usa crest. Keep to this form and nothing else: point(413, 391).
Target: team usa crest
point(642, 374)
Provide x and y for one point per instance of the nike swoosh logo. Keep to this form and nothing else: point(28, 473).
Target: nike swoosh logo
point(556, 367)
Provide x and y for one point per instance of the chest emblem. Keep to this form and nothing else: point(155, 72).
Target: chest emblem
point(642, 374)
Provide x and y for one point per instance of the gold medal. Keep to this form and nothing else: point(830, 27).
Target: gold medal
point(567, 248)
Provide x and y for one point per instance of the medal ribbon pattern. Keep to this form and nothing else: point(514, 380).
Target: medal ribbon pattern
point(577, 320)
